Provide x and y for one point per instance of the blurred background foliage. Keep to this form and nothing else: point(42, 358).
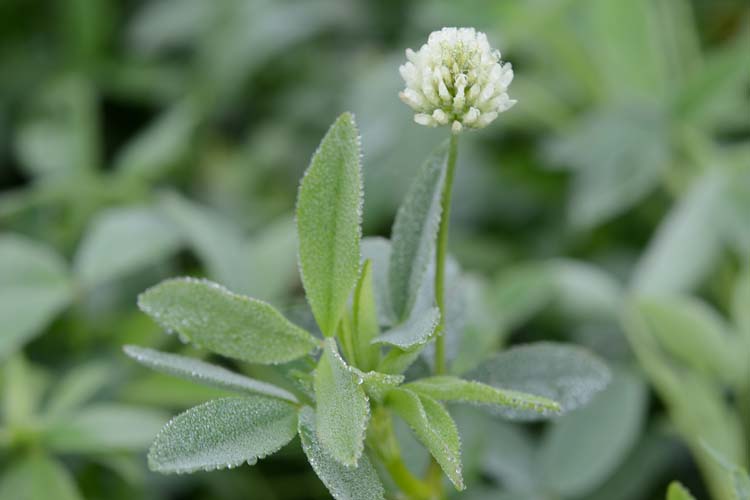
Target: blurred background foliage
point(611, 208)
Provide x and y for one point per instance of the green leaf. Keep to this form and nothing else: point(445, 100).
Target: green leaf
point(433, 426)
point(223, 433)
point(741, 303)
point(34, 287)
point(414, 232)
point(123, 240)
point(693, 333)
point(232, 325)
point(416, 331)
point(365, 321)
point(615, 417)
point(520, 292)
point(342, 407)
point(79, 386)
point(563, 373)
point(103, 428)
point(38, 477)
point(23, 388)
point(329, 213)
point(377, 384)
point(583, 291)
point(677, 491)
point(344, 483)
point(160, 146)
point(736, 475)
point(204, 373)
point(686, 244)
point(398, 360)
point(448, 388)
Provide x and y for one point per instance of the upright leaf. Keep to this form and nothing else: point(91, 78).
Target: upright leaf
point(329, 213)
point(206, 373)
point(342, 407)
point(34, 286)
point(223, 433)
point(344, 483)
point(365, 321)
point(121, 241)
point(38, 477)
point(378, 251)
point(448, 388)
point(414, 233)
point(433, 426)
point(566, 374)
point(212, 317)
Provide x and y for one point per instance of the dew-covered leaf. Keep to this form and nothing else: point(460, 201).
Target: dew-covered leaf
point(614, 416)
point(204, 373)
point(34, 287)
point(448, 388)
point(414, 232)
point(223, 433)
point(342, 407)
point(329, 213)
point(693, 333)
point(38, 477)
point(677, 491)
point(566, 374)
point(365, 327)
point(433, 426)
point(415, 331)
point(212, 317)
point(104, 428)
point(344, 483)
point(123, 240)
point(686, 243)
point(377, 384)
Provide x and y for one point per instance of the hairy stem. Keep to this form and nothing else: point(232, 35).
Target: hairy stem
point(442, 250)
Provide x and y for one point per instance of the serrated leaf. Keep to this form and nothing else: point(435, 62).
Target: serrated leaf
point(677, 491)
point(416, 331)
point(365, 325)
point(223, 433)
point(567, 374)
point(614, 416)
point(342, 407)
point(329, 213)
point(104, 428)
point(34, 287)
point(38, 477)
point(448, 388)
point(212, 317)
point(686, 243)
point(123, 240)
point(204, 373)
point(693, 333)
point(433, 426)
point(414, 233)
point(344, 483)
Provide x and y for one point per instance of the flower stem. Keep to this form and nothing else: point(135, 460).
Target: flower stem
point(442, 249)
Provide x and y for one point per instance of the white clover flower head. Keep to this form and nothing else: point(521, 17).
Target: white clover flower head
point(456, 78)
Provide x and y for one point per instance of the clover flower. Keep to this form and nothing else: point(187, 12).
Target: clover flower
point(456, 78)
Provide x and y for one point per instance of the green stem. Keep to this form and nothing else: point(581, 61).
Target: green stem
point(440, 254)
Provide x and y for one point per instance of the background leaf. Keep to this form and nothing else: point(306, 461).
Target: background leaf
point(329, 214)
point(38, 477)
point(566, 374)
point(34, 287)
